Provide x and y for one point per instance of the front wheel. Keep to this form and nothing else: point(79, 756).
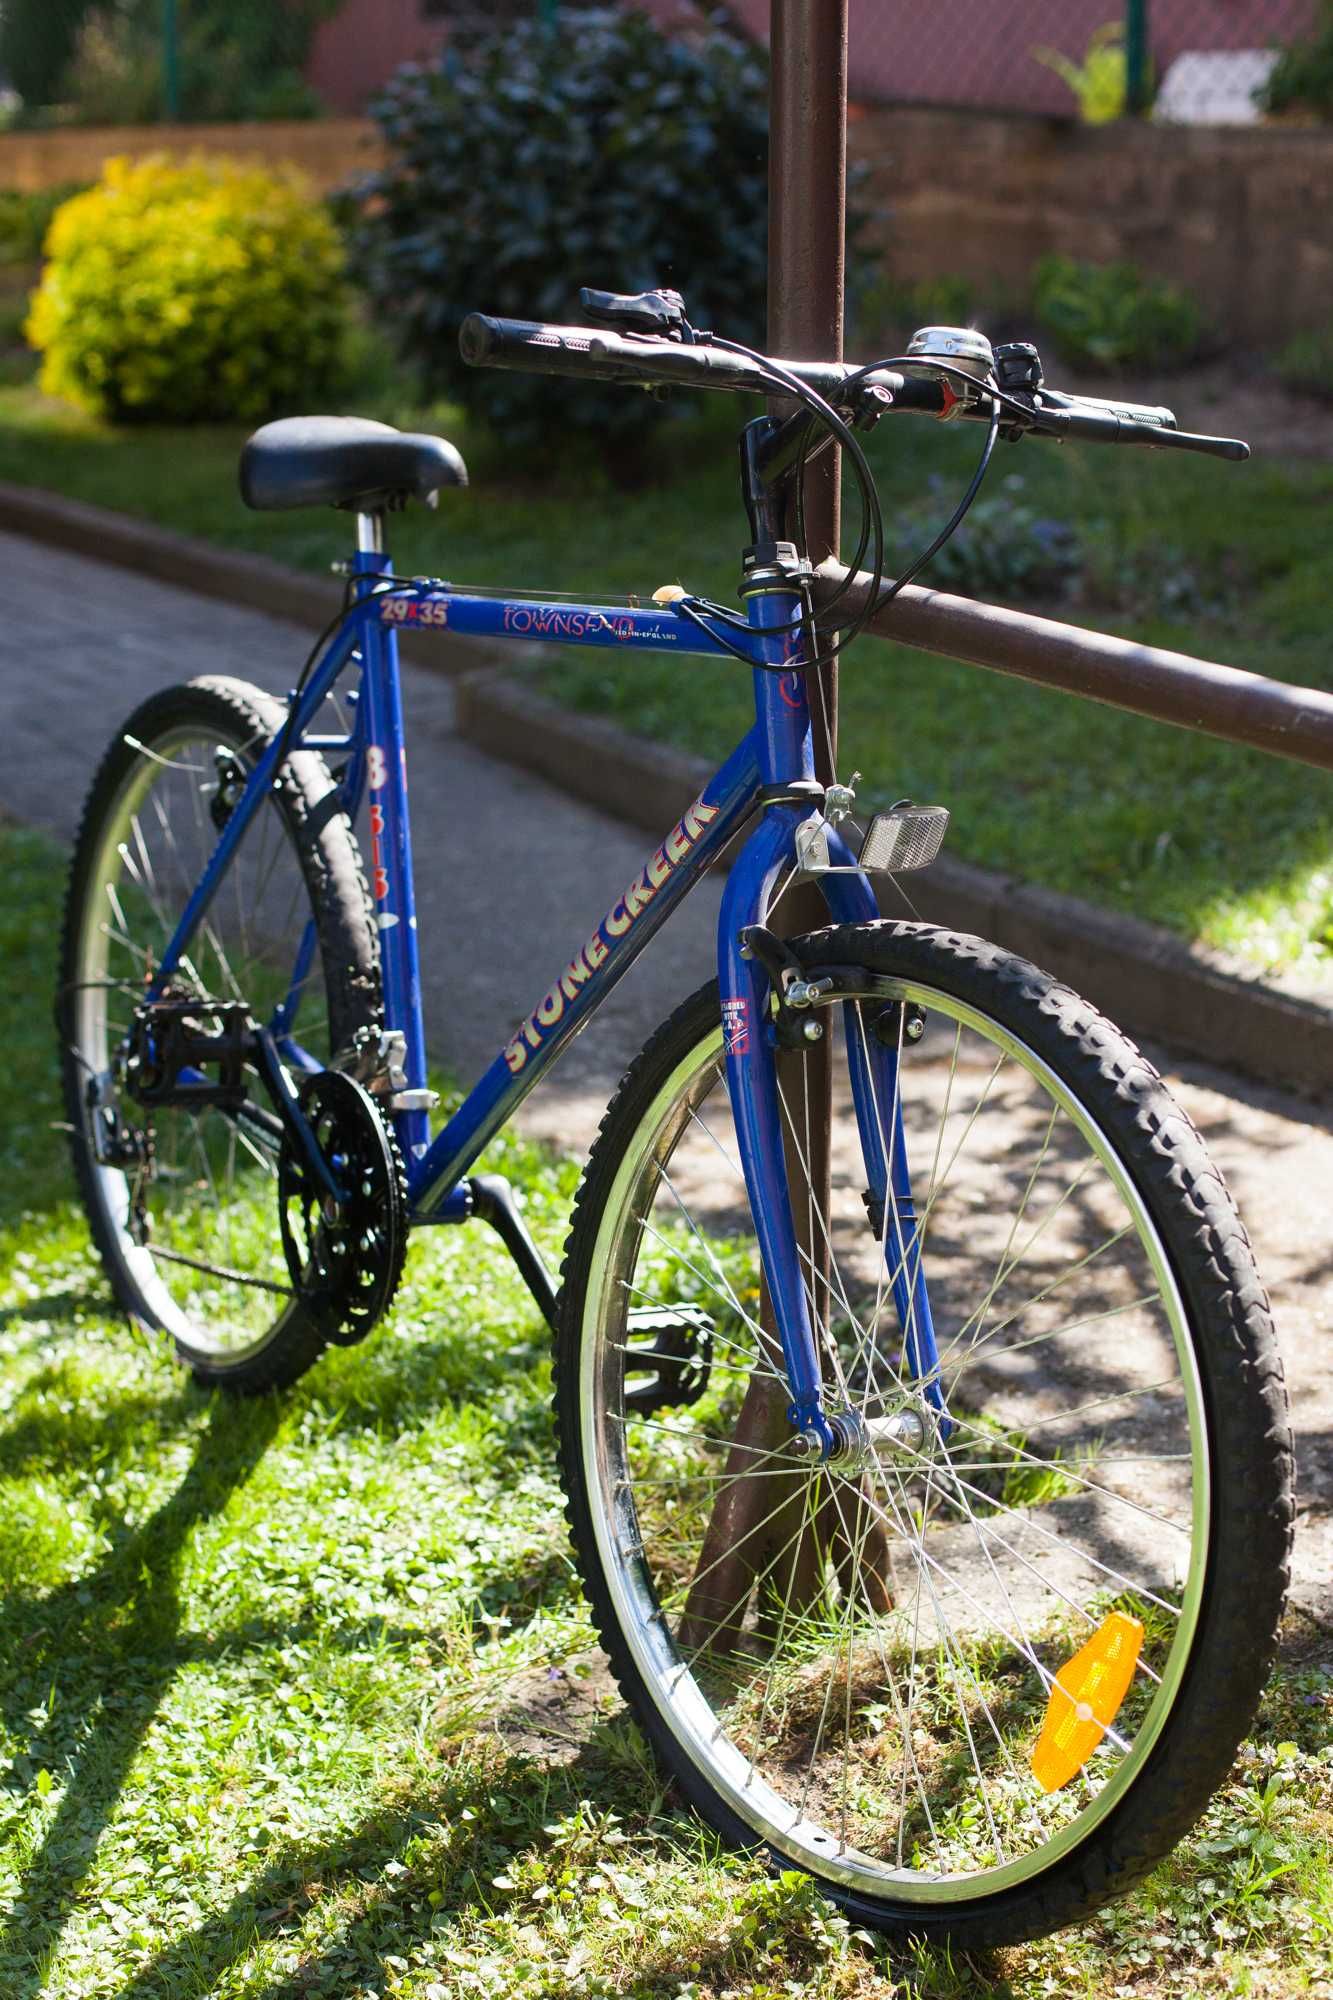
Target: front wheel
point(863, 1667)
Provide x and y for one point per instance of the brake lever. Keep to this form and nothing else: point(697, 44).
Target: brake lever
point(660, 313)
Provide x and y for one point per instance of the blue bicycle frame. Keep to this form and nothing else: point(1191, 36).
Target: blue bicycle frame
point(776, 751)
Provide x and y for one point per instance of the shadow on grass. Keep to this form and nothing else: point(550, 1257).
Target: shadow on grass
point(114, 1634)
point(52, 1305)
point(461, 1833)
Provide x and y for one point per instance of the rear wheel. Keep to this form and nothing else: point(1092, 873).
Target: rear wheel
point(183, 1203)
point(852, 1665)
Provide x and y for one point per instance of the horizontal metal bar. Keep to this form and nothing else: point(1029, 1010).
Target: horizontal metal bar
point(1227, 702)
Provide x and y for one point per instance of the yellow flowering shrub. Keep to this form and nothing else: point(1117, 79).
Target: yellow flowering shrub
point(188, 292)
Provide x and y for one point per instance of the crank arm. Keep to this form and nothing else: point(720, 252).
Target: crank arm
point(263, 1126)
point(291, 1116)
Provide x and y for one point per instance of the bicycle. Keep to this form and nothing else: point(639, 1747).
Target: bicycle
point(930, 1486)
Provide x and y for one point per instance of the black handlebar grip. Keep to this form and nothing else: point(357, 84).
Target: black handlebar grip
point(477, 339)
point(1094, 425)
point(484, 342)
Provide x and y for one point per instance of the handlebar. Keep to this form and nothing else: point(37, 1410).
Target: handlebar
point(640, 360)
point(647, 362)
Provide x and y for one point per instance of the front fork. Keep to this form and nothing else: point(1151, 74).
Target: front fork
point(750, 1045)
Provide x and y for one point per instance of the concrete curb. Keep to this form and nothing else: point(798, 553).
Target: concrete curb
point(233, 575)
point(1136, 973)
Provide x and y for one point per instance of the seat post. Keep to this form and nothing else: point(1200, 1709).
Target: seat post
point(370, 534)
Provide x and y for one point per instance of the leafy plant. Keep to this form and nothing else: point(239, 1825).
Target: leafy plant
point(1110, 316)
point(104, 57)
point(1101, 81)
point(1302, 79)
point(203, 291)
point(889, 310)
point(37, 39)
point(234, 62)
point(25, 219)
point(590, 148)
point(1005, 545)
point(1306, 363)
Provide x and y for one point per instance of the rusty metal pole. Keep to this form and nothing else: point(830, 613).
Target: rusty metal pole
point(1203, 695)
point(807, 215)
point(807, 206)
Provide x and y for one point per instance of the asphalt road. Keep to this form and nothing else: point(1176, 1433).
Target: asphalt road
point(511, 876)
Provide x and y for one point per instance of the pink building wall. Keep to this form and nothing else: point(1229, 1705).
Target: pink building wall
point(918, 51)
point(364, 43)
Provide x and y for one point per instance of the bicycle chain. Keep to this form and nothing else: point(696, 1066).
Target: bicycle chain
point(345, 1257)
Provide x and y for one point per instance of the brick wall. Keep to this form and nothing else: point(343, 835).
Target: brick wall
point(329, 150)
point(1244, 218)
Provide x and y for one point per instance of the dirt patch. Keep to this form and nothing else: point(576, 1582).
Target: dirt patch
point(552, 1712)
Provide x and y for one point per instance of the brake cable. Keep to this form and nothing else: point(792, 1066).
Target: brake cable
point(872, 524)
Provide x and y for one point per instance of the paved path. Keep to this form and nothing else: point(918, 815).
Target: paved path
point(511, 874)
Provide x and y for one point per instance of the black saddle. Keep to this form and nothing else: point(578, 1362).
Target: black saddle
point(345, 462)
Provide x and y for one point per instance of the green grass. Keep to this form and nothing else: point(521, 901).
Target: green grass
point(1223, 845)
point(269, 1670)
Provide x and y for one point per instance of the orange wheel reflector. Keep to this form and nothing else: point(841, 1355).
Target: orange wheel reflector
point(1084, 1700)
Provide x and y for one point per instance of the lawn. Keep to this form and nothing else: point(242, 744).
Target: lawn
point(298, 1695)
point(1236, 564)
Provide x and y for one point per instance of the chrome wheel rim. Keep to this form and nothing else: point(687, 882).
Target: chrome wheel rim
point(917, 1855)
point(211, 1198)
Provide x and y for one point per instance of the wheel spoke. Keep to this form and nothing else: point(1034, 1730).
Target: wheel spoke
point(856, 1655)
point(214, 1267)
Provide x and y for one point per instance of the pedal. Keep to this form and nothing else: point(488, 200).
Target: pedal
point(668, 1359)
point(171, 1042)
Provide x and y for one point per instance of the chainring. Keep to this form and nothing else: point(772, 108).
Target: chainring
point(345, 1258)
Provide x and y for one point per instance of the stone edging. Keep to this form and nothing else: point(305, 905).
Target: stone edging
point(233, 575)
point(1136, 972)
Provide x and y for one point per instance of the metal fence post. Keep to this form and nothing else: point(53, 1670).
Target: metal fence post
point(171, 75)
point(1137, 85)
point(807, 215)
point(754, 1533)
point(807, 212)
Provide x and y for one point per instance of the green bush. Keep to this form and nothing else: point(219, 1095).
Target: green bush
point(37, 39)
point(104, 58)
point(1100, 83)
point(1110, 316)
point(25, 219)
point(1006, 546)
point(590, 149)
point(1303, 77)
point(889, 310)
point(232, 62)
point(187, 293)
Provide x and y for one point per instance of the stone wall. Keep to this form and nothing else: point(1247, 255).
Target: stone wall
point(329, 150)
point(1243, 218)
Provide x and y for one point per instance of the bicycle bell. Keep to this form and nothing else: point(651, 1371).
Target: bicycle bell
point(960, 346)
